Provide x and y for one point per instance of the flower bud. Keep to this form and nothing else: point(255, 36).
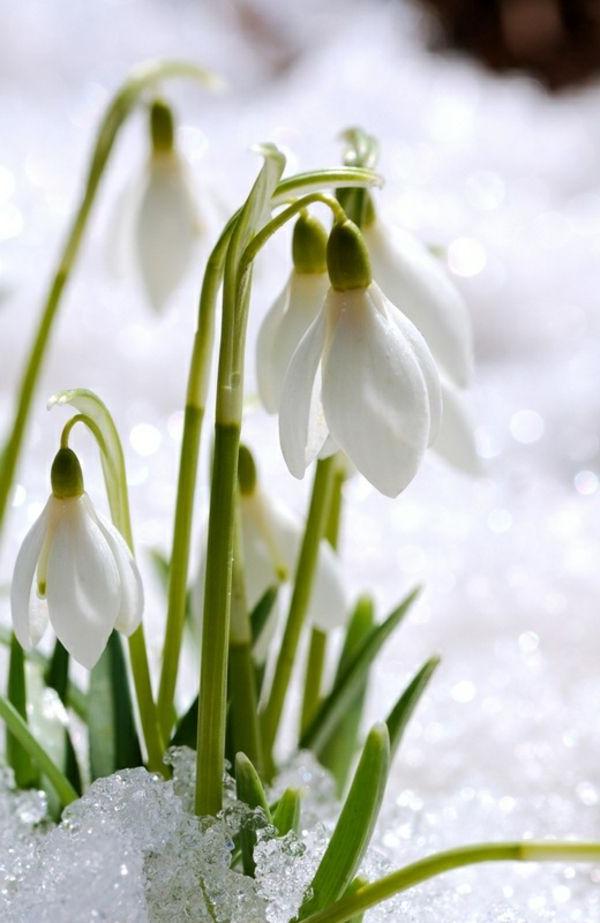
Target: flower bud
point(309, 246)
point(66, 476)
point(162, 127)
point(348, 261)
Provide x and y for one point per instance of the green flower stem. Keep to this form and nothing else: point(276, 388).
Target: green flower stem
point(230, 391)
point(188, 469)
point(317, 651)
point(215, 634)
point(260, 239)
point(303, 583)
point(243, 711)
point(118, 110)
point(313, 677)
point(371, 894)
point(18, 728)
point(98, 420)
point(194, 414)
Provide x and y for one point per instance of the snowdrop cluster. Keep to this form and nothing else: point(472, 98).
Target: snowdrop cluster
point(368, 358)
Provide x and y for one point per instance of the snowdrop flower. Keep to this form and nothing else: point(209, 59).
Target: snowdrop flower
point(293, 311)
point(414, 279)
point(158, 216)
point(271, 538)
point(362, 378)
point(86, 581)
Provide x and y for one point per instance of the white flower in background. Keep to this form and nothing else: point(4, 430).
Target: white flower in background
point(271, 538)
point(157, 217)
point(362, 378)
point(455, 441)
point(414, 279)
point(293, 311)
point(86, 580)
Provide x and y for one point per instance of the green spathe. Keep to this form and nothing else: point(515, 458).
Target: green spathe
point(348, 261)
point(66, 475)
point(309, 246)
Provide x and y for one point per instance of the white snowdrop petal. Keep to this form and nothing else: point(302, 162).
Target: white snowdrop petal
point(132, 590)
point(302, 426)
point(166, 227)
point(83, 584)
point(427, 365)
point(328, 606)
point(455, 442)
point(268, 387)
point(27, 629)
point(374, 393)
point(416, 282)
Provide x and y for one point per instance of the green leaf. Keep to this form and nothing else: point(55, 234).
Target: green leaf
point(355, 825)
point(336, 755)
point(349, 683)
point(402, 712)
point(286, 815)
point(113, 737)
point(250, 790)
point(56, 677)
point(17, 756)
point(18, 728)
point(261, 612)
point(76, 699)
point(187, 728)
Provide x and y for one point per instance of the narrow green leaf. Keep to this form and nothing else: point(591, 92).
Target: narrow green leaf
point(261, 612)
point(402, 712)
point(76, 699)
point(249, 790)
point(185, 733)
point(336, 755)
point(345, 690)
point(56, 677)
point(17, 756)
point(286, 815)
point(355, 825)
point(18, 728)
point(113, 737)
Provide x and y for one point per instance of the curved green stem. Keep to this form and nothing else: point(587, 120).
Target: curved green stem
point(371, 894)
point(94, 414)
point(116, 113)
point(186, 485)
point(266, 192)
point(195, 408)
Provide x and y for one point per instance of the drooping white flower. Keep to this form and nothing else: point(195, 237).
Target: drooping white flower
point(157, 220)
point(414, 279)
point(362, 378)
point(293, 311)
point(271, 537)
point(75, 571)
